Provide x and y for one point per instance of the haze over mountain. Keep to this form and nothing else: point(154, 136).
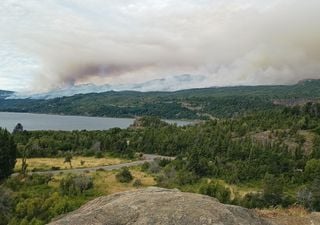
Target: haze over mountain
point(213, 97)
point(56, 44)
point(172, 83)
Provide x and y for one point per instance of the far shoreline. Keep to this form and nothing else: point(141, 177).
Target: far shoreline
point(58, 122)
point(106, 117)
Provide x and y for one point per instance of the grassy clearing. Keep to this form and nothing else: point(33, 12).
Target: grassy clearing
point(40, 164)
point(106, 183)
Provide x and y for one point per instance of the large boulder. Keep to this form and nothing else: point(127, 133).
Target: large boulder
point(159, 206)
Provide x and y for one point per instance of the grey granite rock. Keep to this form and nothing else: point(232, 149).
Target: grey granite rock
point(159, 206)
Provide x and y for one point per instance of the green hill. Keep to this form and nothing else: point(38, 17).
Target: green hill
point(185, 104)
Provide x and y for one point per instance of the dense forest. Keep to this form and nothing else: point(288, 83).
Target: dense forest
point(277, 151)
point(187, 104)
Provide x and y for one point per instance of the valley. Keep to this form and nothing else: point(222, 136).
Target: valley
point(159, 112)
point(260, 160)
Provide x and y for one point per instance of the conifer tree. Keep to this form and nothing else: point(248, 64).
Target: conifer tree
point(8, 151)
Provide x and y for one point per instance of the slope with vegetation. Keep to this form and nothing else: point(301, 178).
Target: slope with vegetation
point(186, 104)
point(263, 159)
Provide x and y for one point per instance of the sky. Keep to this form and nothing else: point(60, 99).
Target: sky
point(45, 45)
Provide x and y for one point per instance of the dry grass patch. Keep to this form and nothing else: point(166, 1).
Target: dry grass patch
point(292, 216)
point(296, 211)
point(106, 183)
point(87, 162)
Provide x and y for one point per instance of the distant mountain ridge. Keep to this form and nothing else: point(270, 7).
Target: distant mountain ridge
point(179, 83)
point(182, 104)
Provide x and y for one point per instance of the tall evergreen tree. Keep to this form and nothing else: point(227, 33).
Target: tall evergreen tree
point(8, 151)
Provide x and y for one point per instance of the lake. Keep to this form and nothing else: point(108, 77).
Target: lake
point(32, 121)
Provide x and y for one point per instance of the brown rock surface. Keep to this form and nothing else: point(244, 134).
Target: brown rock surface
point(159, 206)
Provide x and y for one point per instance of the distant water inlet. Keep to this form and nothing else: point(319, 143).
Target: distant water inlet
point(32, 121)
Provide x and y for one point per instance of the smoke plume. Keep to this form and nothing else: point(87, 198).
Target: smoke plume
point(230, 42)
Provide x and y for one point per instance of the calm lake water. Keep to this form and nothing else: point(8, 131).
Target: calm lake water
point(32, 121)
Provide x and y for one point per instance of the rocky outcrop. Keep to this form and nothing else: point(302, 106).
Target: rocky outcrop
point(159, 206)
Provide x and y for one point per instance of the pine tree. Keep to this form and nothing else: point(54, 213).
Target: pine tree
point(8, 151)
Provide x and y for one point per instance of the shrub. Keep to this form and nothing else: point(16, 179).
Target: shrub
point(145, 167)
point(163, 162)
point(75, 184)
point(98, 155)
point(14, 183)
point(185, 177)
point(6, 203)
point(30, 208)
point(68, 159)
point(38, 179)
point(124, 176)
point(312, 169)
point(259, 200)
point(315, 194)
point(55, 168)
point(253, 200)
point(154, 167)
point(167, 176)
point(137, 183)
point(216, 190)
point(88, 153)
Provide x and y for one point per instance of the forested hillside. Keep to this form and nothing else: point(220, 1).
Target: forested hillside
point(186, 104)
point(263, 159)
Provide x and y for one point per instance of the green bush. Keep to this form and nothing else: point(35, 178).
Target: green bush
point(124, 176)
point(137, 183)
point(55, 168)
point(75, 184)
point(98, 155)
point(184, 177)
point(253, 200)
point(216, 190)
point(145, 167)
point(14, 183)
point(309, 196)
point(312, 168)
point(38, 179)
point(6, 203)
